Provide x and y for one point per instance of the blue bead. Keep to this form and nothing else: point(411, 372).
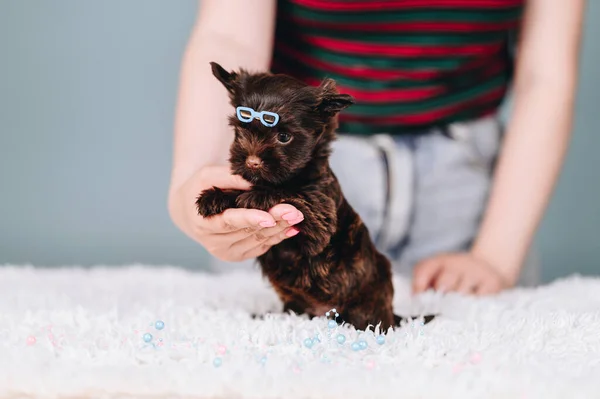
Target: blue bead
point(263, 360)
point(217, 362)
point(159, 325)
point(308, 343)
point(355, 346)
point(332, 324)
point(341, 339)
point(362, 344)
point(147, 337)
point(381, 340)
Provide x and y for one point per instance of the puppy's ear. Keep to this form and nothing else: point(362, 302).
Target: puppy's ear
point(226, 78)
point(332, 101)
point(335, 103)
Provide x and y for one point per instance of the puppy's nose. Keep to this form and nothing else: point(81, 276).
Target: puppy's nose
point(253, 162)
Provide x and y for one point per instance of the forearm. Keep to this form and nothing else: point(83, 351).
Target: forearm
point(202, 135)
point(529, 165)
point(201, 132)
point(537, 135)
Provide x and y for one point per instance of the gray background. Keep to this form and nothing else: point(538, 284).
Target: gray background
point(87, 93)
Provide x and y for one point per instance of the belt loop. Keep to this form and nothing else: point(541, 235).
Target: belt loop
point(384, 144)
point(399, 191)
point(388, 189)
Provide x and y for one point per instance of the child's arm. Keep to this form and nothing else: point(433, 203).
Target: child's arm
point(538, 133)
point(236, 34)
point(531, 158)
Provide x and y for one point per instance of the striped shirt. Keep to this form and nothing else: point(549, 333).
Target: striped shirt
point(409, 64)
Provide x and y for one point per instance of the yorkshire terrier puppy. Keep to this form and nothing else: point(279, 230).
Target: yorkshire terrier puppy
point(283, 131)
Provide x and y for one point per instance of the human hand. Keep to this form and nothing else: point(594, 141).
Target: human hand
point(459, 272)
point(235, 234)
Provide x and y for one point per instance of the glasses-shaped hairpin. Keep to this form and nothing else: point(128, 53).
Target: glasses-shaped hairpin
point(267, 118)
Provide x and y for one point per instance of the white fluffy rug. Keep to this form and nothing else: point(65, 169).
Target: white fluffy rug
point(73, 333)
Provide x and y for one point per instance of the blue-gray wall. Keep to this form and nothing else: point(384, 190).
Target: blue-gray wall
point(87, 92)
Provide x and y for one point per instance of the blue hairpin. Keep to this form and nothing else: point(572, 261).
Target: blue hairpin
point(246, 114)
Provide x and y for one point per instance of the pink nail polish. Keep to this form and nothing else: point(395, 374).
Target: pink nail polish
point(292, 232)
point(291, 216)
point(267, 223)
point(296, 221)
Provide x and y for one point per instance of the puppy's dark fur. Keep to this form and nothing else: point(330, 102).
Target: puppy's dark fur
point(332, 262)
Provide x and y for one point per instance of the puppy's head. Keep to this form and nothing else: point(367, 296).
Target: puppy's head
point(274, 146)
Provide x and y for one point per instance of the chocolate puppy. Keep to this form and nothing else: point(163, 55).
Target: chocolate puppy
point(283, 131)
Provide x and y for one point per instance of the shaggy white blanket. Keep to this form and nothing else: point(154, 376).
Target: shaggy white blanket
point(80, 333)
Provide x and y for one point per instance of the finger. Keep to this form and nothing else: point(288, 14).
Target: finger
point(446, 281)
point(235, 219)
point(483, 289)
point(286, 212)
point(248, 236)
point(274, 240)
point(220, 176)
point(248, 221)
point(424, 274)
point(259, 237)
point(487, 288)
point(278, 228)
point(467, 284)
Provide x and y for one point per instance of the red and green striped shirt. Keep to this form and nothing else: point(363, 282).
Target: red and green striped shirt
point(410, 64)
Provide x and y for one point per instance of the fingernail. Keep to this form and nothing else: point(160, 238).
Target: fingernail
point(291, 216)
point(292, 232)
point(295, 221)
point(267, 223)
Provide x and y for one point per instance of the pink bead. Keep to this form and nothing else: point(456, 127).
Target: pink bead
point(476, 358)
point(221, 349)
point(31, 340)
point(457, 368)
point(296, 369)
point(370, 364)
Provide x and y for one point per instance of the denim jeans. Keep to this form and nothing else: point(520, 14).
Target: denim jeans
point(420, 194)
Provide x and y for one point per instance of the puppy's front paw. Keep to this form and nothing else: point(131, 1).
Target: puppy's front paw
point(215, 200)
point(257, 199)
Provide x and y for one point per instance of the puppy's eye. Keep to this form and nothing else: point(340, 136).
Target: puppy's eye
point(284, 138)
